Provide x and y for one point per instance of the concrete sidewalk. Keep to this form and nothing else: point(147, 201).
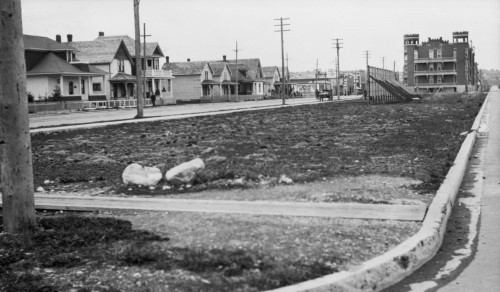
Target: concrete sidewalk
point(483, 273)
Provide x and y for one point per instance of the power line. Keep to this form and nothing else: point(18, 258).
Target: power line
point(281, 30)
point(338, 46)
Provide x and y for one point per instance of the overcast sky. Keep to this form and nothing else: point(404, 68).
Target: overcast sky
point(207, 29)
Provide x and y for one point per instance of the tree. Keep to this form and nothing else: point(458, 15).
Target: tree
point(15, 143)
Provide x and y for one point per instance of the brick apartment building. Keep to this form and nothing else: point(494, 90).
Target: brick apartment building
point(440, 66)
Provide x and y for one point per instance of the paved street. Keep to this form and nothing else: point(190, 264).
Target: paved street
point(162, 112)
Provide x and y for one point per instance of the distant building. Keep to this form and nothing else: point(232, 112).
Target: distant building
point(440, 66)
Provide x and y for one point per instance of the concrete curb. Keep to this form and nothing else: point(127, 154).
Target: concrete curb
point(391, 267)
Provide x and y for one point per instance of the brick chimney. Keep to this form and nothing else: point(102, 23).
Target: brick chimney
point(101, 33)
point(224, 58)
point(70, 38)
point(58, 38)
point(167, 59)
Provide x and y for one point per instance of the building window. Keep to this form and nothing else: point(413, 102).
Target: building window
point(121, 65)
point(169, 85)
point(431, 54)
point(416, 68)
point(455, 53)
point(406, 68)
point(149, 63)
point(439, 53)
point(431, 79)
point(416, 81)
point(206, 75)
point(439, 79)
point(157, 65)
point(82, 90)
point(439, 67)
point(96, 86)
point(431, 67)
point(406, 56)
point(415, 54)
point(70, 88)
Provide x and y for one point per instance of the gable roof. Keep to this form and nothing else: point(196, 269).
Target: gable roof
point(269, 71)
point(185, 68)
point(152, 49)
point(99, 51)
point(217, 68)
point(253, 66)
point(52, 64)
point(32, 42)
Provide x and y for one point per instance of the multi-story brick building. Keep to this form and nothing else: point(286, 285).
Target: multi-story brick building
point(440, 66)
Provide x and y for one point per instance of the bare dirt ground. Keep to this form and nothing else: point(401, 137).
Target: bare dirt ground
point(380, 154)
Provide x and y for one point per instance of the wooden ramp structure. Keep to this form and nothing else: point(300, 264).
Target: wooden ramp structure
point(383, 86)
point(312, 209)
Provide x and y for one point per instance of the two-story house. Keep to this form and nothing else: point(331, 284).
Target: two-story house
point(158, 81)
point(52, 71)
point(113, 57)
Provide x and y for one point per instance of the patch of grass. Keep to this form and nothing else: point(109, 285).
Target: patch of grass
point(62, 241)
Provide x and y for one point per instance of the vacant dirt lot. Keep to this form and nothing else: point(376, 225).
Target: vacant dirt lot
point(351, 152)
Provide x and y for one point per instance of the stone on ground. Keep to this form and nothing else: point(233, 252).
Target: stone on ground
point(185, 173)
point(141, 175)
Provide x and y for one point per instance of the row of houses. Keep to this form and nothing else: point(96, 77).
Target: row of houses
point(104, 69)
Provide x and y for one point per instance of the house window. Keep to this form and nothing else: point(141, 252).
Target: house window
point(439, 67)
point(206, 75)
point(431, 67)
point(157, 65)
point(70, 88)
point(96, 86)
point(439, 53)
point(431, 54)
point(83, 86)
point(439, 79)
point(121, 65)
point(150, 63)
point(169, 84)
point(415, 54)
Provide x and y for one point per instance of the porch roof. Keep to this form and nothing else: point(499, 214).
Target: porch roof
point(210, 82)
point(120, 77)
point(51, 64)
point(227, 82)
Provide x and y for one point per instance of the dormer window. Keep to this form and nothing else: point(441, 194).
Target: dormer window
point(206, 75)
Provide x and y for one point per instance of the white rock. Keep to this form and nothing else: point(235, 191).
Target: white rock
point(185, 173)
point(166, 188)
point(46, 182)
point(141, 175)
point(40, 190)
point(285, 180)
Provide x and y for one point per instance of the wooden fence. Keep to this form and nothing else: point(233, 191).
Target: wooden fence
point(383, 86)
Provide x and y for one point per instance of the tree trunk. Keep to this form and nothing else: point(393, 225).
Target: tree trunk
point(15, 144)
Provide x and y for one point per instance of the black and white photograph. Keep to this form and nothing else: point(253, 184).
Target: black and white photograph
point(258, 145)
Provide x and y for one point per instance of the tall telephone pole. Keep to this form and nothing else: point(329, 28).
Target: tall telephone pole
point(282, 53)
point(236, 51)
point(16, 162)
point(287, 81)
point(367, 56)
point(145, 64)
point(138, 76)
point(383, 62)
point(338, 46)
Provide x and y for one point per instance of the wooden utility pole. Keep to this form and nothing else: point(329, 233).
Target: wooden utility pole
point(383, 62)
point(145, 64)
point(138, 67)
point(236, 51)
point(282, 54)
point(16, 163)
point(338, 66)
